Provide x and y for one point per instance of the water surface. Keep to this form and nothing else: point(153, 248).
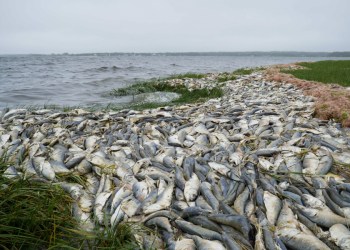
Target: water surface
point(84, 80)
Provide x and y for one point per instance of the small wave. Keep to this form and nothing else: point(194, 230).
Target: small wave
point(26, 97)
point(19, 98)
point(133, 67)
point(113, 69)
point(108, 80)
point(104, 69)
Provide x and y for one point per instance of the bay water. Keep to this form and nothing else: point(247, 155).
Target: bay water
point(87, 79)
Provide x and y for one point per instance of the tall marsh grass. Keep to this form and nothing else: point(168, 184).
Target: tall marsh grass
point(37, 215)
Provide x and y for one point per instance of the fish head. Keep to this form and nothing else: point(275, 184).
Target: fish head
point(311, 201)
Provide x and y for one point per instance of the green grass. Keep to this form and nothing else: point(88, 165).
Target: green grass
point(187, 75)
point(223, 77)
point(197, 95)
point(186, 96)
point(36, 215)
point(137, 88)
point(324, 71)
point(245, 71)
point(120, 238)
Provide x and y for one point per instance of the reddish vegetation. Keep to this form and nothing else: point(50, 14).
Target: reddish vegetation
point(332, 101)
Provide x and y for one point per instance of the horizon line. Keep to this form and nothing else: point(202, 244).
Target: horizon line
point(182, 52)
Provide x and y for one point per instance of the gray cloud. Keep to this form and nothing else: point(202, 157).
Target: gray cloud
point(76, 26)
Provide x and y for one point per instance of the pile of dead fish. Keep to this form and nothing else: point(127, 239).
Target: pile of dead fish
point(248, 171)
point(208, 82)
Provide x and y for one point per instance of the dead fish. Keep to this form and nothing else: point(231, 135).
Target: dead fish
point(203, 221)
point(202, 203)
point(84, 167)
point(341, 235)
point(201, 129)
point(188, 167)
point(220, 168)
point(100, 202)
point(259, 240)
point(267, 152)
point(163, 200)
point(273, 207)
point(208, 244)
point(323, 218)
point(140, 190)
point(84, 219)
point(174, 141)
point(265, 164)
point(100, 161)
point(241, 201)
point(116, 217)
point(179, 205)
point(59, 167)
point(90, 141)
point(205, 189)
point(197, 230)
point(75, 190)
point(185, 244)
point(130, 206)
point(74, 160)
point(44, 168)
point(238, 222)
point(325, 163)
point(13, 112)
point(59, 153)
point(230, 243)
point(294, 166)
point(92, 183)
point(294, 234)
point(86, 202)
point(293, 238)
point(160, 222)
point(192, 188)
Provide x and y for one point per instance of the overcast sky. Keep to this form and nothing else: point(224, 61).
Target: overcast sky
point(78, 26)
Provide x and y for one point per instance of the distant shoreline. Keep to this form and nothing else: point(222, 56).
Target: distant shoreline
point(217, 53)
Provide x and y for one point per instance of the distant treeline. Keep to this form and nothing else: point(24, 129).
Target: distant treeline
point(251, 53)
point(272, 53)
